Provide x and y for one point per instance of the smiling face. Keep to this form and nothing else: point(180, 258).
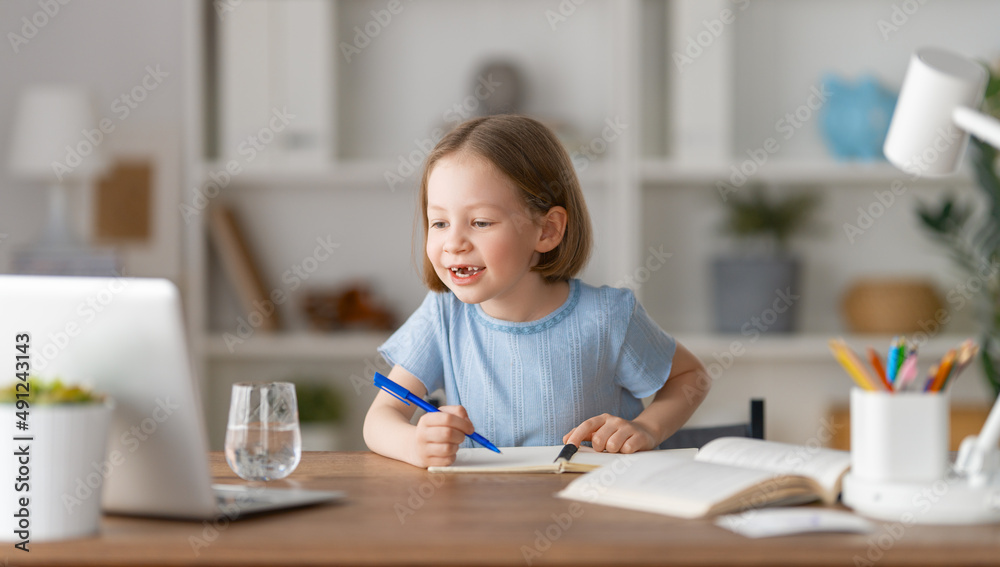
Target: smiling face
point(481, 239)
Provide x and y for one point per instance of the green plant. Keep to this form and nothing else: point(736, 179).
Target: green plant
point(973, 240)
point(319, 402)
point(44, 393)
point(753, 214)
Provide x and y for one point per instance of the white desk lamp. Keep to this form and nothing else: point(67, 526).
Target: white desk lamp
point(930, 128)
point(936, 112)
point(49, 119)
point(53, 143)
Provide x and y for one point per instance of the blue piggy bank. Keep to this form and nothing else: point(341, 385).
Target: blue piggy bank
point(855, 119)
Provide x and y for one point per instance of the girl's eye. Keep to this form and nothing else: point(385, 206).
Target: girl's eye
point(438, 224)
point(481, 224)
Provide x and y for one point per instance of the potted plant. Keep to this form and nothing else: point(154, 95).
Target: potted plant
point(756, 288)
point(54, 460)
point(321, 411)
point(974, 239)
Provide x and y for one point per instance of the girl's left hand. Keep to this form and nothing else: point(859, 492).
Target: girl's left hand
point(612, 434)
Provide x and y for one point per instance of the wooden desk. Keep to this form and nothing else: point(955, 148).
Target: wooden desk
point(400, 515)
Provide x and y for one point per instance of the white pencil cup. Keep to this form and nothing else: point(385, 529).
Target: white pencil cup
point(899, 437)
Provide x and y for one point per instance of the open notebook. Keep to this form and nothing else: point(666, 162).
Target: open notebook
point(552, 459)
point(727, 475)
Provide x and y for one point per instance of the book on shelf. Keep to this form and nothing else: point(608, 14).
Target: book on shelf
point(727, 475)
point(551, 459)
point(240, 267)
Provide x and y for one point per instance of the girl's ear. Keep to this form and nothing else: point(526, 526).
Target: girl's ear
point(553, 229)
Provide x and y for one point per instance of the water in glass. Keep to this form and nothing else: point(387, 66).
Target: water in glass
point(263, 441)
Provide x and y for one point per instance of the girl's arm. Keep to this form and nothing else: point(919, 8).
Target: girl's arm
point(433, 441)
point(671, 407)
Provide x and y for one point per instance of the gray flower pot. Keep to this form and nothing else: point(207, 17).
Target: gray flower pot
point(756, 295)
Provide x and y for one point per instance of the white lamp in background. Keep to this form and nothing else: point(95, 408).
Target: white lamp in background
point(51, 125)
point(936, 112)
point(930, 128)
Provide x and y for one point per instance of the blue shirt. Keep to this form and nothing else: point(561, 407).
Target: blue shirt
point(530, 383)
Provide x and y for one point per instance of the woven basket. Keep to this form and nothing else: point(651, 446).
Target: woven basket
point(892, 306)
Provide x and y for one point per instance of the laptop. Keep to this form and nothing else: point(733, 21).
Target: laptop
point(125, 337)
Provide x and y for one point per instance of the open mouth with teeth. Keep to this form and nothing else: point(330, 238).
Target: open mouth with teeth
point(466, 272)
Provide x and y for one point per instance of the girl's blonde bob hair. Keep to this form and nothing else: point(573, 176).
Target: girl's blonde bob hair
point(531, 157)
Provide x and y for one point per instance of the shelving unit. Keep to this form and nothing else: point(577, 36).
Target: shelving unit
point(669, 173)
point(652, 186)
point(298, 346)
point(355, 175)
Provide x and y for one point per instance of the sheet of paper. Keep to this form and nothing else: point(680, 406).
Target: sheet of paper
point(511, 457)
point(786, 521)
point(521, 457)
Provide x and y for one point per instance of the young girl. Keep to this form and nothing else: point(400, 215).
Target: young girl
point(526, 354)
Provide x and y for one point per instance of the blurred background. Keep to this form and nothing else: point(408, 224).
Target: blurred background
point(265, 155)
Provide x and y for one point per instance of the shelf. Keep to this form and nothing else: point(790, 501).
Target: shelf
point(813, 172)
point(367, 174)
point(372, 174)
point(311, 175)
point(297, 346)
point(350, 174)
point(805, 347)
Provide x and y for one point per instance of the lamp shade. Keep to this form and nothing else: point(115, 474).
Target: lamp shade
point(55, 134)
point(923, 138)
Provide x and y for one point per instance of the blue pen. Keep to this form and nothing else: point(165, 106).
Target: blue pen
point(406, 396)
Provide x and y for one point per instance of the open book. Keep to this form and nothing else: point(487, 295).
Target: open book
point(554, 459)
point(726, 475)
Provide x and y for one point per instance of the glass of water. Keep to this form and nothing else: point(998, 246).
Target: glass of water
point(263, 441)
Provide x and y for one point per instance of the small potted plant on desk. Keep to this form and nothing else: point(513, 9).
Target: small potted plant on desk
point(321, 411)
point(756, 288)
point(55, 458)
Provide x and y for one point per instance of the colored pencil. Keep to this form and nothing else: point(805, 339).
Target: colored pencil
point(966, 353)
point(852, 364)
point(907, 372)
point(944, 368)
point(876, 362)
point(892, 361)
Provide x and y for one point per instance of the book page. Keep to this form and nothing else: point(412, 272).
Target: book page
point(588, 456)
point(825, 466)
point(679, 486)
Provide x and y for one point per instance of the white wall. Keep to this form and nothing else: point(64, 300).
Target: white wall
point(106, 46)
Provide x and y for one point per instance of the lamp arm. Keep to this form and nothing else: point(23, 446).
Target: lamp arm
point(978, 455)
point(982, 126)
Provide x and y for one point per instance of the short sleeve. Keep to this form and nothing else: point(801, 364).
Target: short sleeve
point(646, 356)
point(418, 345)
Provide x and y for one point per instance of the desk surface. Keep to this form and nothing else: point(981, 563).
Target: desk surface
point(396, 514)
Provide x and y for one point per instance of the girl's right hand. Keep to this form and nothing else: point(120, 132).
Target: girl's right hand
point(439, 434)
